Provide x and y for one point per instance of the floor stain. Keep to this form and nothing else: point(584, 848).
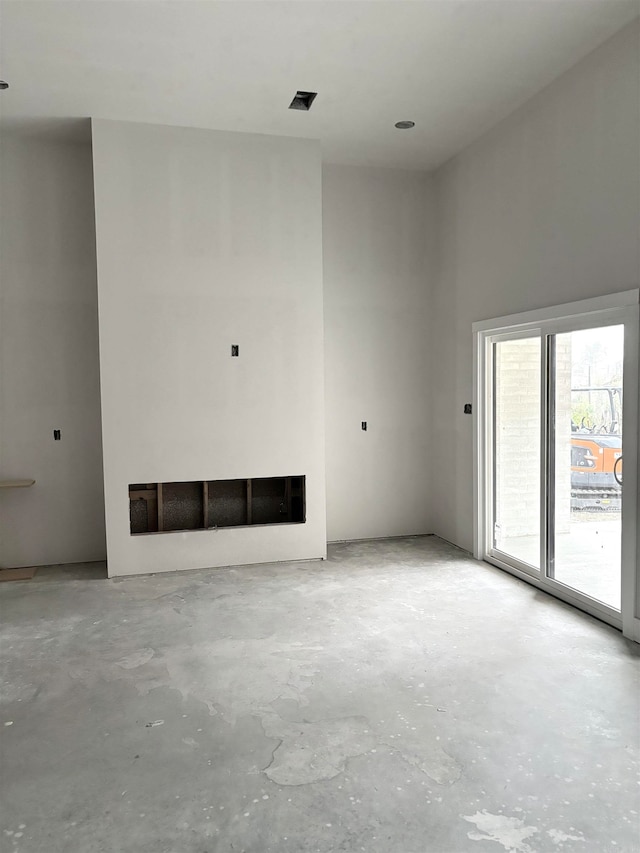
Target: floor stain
point(137, 659)
point(510, 832)
point(431, 760)
point(314, 751)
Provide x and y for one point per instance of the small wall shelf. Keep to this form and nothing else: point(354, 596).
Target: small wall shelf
point(16, 484)
point(207, 504)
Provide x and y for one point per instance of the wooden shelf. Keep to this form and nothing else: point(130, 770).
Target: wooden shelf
point(16, 484)
point(17, 574)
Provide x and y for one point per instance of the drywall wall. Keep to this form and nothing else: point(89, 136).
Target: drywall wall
point(377, 229)
point(49, 355)
point(541, 211)
point(205, 240)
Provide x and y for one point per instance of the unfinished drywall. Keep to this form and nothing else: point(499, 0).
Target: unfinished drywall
point(377, 230)
point(207, 240)
point(49, 355)
point(541, 211)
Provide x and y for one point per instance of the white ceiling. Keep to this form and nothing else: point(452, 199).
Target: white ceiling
point(455, 67)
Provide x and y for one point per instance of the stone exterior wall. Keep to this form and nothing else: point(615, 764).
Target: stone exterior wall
point(517, 401)
point(517, 438)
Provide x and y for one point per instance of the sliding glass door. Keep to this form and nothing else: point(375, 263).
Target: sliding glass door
point(551, 443)
point(585, 509)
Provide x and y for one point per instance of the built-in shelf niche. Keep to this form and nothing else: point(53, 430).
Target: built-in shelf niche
point(207, 504)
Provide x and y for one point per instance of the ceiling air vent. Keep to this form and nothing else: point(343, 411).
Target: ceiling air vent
point(302, 101)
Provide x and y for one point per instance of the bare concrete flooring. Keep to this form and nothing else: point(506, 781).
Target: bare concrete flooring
point(399, 698)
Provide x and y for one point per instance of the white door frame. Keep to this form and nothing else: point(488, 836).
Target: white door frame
point(614, 309)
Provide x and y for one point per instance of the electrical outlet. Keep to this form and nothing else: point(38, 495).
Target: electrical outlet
point(467, 408)
point(235, 350)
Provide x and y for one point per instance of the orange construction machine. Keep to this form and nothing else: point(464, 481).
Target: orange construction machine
point(596, 450)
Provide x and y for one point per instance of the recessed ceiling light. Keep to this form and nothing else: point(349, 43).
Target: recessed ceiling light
point(302, 100)
point(4, 84)
point(405, 125)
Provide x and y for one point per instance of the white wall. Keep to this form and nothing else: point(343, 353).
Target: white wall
point(543, 210)
point(49, 356)
point(540, 211)
point(204, 240)
point(377, 227)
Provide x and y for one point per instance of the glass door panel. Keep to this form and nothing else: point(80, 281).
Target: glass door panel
point(585, 530)
point(516, 451)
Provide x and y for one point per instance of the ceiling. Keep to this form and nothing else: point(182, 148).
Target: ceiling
point(454, 67)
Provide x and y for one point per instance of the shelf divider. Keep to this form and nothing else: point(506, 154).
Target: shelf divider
point(205, 504)
point(160, 508)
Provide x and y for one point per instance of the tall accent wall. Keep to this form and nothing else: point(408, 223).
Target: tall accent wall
point(542, 210)
point(378, 248)
point(49, 376)
point(206, 240)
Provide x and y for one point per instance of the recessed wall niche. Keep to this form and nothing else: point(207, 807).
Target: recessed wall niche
point(208, 504)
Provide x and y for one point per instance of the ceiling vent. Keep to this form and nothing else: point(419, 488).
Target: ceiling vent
point(302, 101)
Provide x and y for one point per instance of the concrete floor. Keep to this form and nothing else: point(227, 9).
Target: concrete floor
point(399, 698)
point(588, 555)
